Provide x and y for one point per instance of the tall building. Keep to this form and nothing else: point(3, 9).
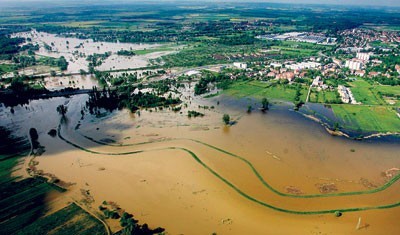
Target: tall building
point(353, 65)
point(363, 56)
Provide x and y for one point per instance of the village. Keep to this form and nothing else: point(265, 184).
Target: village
point(357, 57)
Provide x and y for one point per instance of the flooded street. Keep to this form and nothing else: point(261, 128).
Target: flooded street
point(196, 174)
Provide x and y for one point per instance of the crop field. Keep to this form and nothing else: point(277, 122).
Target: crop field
point(7, 166)
point(365, 93)
point(258, 90)
point(368, 118)
point(324, 97)
point(69, 220)
point(6, 68)
point(167, 47)
point(391, 94)
point(295, 51)
point(22, 203)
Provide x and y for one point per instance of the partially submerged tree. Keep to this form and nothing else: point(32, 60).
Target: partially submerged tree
point(62, 110)
point(226, 119)
point(265, 104)
point(249, 108)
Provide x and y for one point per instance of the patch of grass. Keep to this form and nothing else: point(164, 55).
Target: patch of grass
point(367, 118)
point(391, 94)
point(69, 220)
point(152, 50)
point(22, 203)
point(6, 68)
point(365, 93)
point(259, 90)
point(324, 97)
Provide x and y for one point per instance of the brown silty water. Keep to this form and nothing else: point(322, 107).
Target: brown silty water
point(168, 188)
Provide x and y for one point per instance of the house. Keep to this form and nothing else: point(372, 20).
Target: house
point(374, 74)
point(397, 67)
point(271, 75)
point(287, 75)
point(193, 73)
point(240, 65)
point(360, 73)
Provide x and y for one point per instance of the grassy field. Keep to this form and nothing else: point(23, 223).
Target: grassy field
point(6, 68)
point(7, 166)
point(367, 118)
point(295, 51)
point(22, 203)
point(324, 96)
point(69, 220)
point(365, 93)
point(152, 50)
point(391, 94)
point(258, 90)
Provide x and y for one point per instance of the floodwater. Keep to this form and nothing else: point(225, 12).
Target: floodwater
point(76, 50)
point(164, 185)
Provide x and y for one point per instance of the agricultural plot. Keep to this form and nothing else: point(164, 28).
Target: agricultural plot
point(69, 220)
point(258, 90)
point(391, 94)
point(167, 47)
point(365, 93)
point(367, 118)
point(324, 97)
point(22, 203)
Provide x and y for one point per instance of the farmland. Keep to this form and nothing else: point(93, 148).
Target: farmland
point(259, 90)
point(69, 220)
point(367, 118)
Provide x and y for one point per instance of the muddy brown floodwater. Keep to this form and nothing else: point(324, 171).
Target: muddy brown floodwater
point(196, 176)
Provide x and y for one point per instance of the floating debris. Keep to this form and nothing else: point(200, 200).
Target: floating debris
point(327, 188)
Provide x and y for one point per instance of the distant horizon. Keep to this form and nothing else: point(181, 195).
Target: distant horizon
point(366, 3)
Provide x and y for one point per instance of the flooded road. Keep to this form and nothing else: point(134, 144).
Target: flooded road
point(197, 176)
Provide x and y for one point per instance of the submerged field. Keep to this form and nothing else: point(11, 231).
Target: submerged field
point(272, 167)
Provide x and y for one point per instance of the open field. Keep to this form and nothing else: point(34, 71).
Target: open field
point(22, 203)
point(368, 118)
point(69, 220)
point(366, 93)
point(162, 48)
point(258, 90)
point(324, 96)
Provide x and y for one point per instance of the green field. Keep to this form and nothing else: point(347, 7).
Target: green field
point(258, 90)
point(22, 203)
point(152, 50)
point(6, 68)
point(367, 118)
point(69, 220)
point(324, 97)
point(365, 93)
point(7, 166)
point(391, 94)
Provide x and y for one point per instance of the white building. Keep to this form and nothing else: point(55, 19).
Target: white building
point(346, 95)
point(303, 65)
point(276, 65)
point(353, 65)
point(192, 73)
point(240, 65)
point(363, 56)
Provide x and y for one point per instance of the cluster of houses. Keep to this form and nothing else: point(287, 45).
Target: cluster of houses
point(316, 38)
point(362, 37)
point(346, 95)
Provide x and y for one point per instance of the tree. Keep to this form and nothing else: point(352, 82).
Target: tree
point(62, 110)
point(249, 108)
point(265, 104)
point(226, 119)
